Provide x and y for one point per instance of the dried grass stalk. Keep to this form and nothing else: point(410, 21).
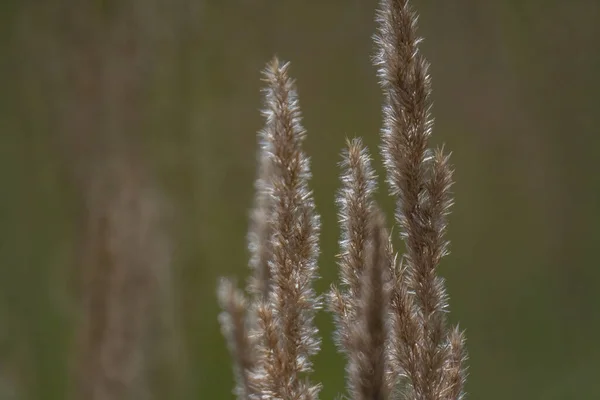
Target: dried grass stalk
point(284, 247)
point(295, 238)
point(421, 182)
point(390, 316)
point(360, 306)
point(355, 202)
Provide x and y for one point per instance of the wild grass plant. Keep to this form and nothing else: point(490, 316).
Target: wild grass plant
point(390, 309)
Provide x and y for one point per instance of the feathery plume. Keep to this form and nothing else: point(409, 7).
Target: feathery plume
point(390, 315)
point(420, 182)
point(404, 342)
point(361, 307)
point(455, 375)
point(292, 301)
point(355, 202)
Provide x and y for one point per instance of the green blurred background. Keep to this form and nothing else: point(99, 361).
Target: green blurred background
point(516, 100)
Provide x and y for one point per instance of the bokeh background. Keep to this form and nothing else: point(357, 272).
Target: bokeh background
point(516, 100)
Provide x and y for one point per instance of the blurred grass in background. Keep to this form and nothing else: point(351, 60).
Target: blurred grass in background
point(516, 100)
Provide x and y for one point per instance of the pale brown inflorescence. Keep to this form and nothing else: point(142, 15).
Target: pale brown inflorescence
point(390, 316)
point(360, 305)
point(420, 180)
point(284, 247)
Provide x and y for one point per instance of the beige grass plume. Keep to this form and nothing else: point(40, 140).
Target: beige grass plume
point(360, 306)
point(420, 180)
point(390, 316)
point(285, 239)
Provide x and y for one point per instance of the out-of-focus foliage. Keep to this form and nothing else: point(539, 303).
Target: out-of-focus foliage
point(515, 88)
